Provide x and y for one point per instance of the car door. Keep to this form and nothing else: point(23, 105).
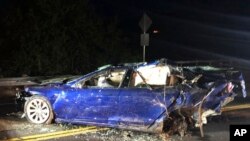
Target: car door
point(99, 97)
point(87, 105)
point(139, 105)
point(97, 105)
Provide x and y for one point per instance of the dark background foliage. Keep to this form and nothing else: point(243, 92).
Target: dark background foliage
point(56, 37)
point(50, 37)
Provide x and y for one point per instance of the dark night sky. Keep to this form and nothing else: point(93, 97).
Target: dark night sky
point(197, 29)
point(187, 29)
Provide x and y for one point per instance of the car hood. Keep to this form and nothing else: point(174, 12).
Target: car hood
point(50, 91)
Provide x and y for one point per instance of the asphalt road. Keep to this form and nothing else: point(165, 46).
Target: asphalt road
point(12, 127)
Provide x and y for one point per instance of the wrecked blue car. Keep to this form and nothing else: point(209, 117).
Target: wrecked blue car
point(148, 97)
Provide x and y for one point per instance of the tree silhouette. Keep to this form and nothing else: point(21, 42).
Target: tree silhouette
point(57, 37)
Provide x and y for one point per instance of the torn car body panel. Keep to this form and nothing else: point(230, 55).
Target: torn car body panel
point(141, 96)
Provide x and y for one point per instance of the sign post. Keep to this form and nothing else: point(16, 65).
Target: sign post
point(145, 23)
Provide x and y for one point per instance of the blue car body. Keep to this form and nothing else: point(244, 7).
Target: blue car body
point(143, 107)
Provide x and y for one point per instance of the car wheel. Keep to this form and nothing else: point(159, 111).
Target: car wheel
point(38, 110)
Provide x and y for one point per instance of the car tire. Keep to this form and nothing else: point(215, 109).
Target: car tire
point(38, 110)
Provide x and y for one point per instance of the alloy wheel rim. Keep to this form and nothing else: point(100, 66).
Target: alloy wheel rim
point(38, 111)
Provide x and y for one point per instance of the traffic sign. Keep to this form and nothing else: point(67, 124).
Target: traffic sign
point(145, 39)
point(145, 22)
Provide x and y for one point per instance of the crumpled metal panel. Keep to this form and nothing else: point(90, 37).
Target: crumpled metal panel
point(139, 108)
